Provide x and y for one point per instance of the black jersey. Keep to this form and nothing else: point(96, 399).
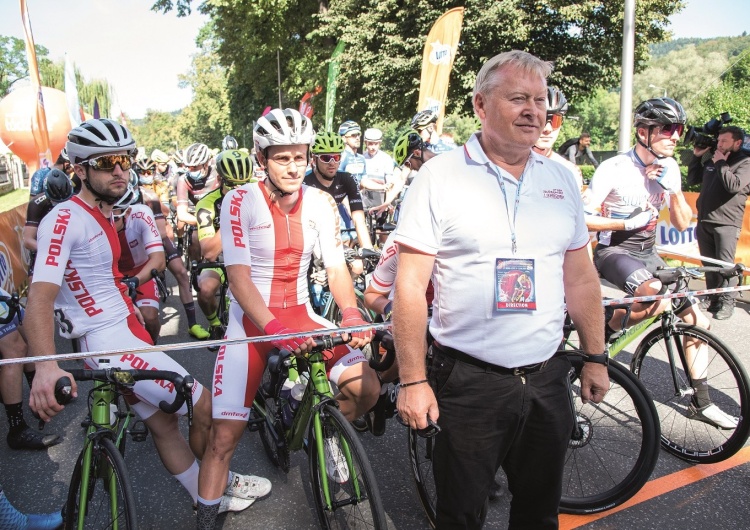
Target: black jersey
point(343, 185)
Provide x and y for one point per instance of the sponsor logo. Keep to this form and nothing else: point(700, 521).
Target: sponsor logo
point(100, 234)
point(83, 297)
point(440, 53)
point(138, 363)
point(234, 414)
point(238, 236)
point(55, 244)
point(219, 372)
point(6, 268)
point(260, 227)
point(146, 217)
point(553, 194)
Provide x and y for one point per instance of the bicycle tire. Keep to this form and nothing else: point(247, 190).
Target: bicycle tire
point(107, 464)
point(420, 457)
point(690, 439)
point(619, 448)
point(350, 509)
point(277, 454)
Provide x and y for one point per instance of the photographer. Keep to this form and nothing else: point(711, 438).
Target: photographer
point(725, 183)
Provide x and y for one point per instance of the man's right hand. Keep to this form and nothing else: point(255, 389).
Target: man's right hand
point(700, 151)
point(42, 399)
point(415, 403)
point(295, 345)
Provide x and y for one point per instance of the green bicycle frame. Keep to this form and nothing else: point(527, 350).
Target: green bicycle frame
point(103, 397)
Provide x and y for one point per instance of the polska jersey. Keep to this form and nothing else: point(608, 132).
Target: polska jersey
point(620, 186)
point(278, 246)
point(138, 239)
point(78, 250)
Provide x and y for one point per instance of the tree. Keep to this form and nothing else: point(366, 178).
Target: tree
point(13, 61)
point(380, 68)
point(206, 119)
point(53, 75)
point(158, 130)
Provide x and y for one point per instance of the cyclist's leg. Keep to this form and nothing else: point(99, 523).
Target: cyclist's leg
point(148, 303)
point(209, 283)
point(177, 268)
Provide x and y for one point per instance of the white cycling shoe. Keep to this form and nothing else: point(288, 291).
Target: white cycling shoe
point(712, 415)
point(248, 487)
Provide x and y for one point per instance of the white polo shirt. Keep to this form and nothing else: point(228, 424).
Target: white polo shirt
point(455, 212)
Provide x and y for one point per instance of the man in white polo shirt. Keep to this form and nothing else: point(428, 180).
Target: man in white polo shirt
point(505, 245)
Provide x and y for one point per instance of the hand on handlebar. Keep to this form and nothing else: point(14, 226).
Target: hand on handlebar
point(352, 317)
point(296, 345)
point(42, 399)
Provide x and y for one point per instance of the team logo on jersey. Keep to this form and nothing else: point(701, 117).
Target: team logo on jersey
point(553, 194)
point(238, 236)
point(55, 244)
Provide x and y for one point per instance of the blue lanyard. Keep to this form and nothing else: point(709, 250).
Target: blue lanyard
point(511, 226)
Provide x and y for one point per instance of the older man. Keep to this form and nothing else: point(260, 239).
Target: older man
point(495, 387)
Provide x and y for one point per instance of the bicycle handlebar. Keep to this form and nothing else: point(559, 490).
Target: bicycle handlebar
point(183, 385)
point(386, 340)
point(13, 302)
point(670, 275)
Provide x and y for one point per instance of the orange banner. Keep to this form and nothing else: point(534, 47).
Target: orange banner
point(437, 63)
point(39, 118)
point(14, 258)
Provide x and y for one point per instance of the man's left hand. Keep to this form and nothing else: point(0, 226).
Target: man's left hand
point(352, 317)
point(594, 382)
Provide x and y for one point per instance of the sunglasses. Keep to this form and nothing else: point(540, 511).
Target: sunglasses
point(327, 159)
point(146, 172)
point(669, 130)
point(556, 120)
point(353, 135)
point(108, 162)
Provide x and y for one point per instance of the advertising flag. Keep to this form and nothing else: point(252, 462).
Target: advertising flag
point(71, 93)
point(306, 105)
point(333, 77)
point(39, 118)
point(97, 115)
point(437, 63)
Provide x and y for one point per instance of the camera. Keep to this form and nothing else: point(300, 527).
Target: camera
point(707, 136)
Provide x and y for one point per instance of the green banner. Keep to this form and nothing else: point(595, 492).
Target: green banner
point(333, 75)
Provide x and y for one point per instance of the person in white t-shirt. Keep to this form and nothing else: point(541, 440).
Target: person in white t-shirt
point(501, 232)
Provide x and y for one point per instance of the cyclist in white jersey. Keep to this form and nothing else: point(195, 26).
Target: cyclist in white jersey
point(77, 277)
point(269, 230)
point(627, 192)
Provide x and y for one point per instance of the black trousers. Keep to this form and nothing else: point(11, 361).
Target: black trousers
point(718, 242)
point(490, 420)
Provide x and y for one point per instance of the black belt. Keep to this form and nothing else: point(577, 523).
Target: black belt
point(468, 359)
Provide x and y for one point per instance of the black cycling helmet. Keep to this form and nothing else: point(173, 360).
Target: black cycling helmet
point(659, 111)
point(58, 186)
point(557, 103)
point(656, 112)
point(405, 145)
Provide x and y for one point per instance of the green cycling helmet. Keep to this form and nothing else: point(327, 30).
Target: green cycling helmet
point(327, 142)
point(405, 145)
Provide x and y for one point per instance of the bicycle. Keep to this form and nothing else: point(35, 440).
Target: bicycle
point(661, 363)
point(315, 424)
point(100, 494)
point(613, 448)
point(222, 311)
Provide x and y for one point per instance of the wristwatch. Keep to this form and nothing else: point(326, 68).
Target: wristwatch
point(598, 358)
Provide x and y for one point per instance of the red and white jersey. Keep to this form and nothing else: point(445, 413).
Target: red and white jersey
point(139, 239)
point(78, 250)
point(384, 275)
point(278, 246)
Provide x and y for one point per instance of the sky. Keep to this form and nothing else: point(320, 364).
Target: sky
point(141, 53)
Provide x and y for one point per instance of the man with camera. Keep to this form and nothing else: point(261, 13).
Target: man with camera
point(724, 173)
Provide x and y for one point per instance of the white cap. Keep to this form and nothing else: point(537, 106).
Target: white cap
point(373, 135)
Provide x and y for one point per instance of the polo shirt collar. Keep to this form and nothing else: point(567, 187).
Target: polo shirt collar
point(476, 154)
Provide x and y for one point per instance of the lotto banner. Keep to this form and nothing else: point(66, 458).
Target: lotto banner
point(437, 62)
point(39, 118)
point(14, 258)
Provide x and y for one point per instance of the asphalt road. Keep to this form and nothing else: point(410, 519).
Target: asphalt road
point(38, 481)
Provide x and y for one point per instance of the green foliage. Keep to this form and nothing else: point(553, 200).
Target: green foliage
point(380, 68)
point(158, 130)
point(460, 127)
point(13, 61)
point(587, 172)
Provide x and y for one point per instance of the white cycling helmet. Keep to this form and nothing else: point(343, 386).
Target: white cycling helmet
point(159, 156)
point(373, 135)
point(197, 155)
point(98, 137)
point(282, 127)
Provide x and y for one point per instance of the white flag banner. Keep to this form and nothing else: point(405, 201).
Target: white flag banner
point(71, 93)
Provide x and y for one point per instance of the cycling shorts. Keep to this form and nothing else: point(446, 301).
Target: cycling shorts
point(239, 367)
point(148, 294)
point(626, 269)
point(146, 395)
point(170, 251)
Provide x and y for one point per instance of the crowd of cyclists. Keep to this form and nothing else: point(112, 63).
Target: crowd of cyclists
point(273, 220)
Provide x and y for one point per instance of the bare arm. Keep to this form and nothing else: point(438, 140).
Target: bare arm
point(583, 295)
point(40, 328)
point(342, 289)
point(415, 402)
point(29, 237)
point(360, 225)
point(156, 260)
point(375, 300)
point(211, 247)
point(680, 212)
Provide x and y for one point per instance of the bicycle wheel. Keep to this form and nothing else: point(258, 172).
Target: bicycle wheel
point(108, 500)
point(420, 457)
point(616, 448)
point(684, 436)
point(354, 495)
point(271, 428)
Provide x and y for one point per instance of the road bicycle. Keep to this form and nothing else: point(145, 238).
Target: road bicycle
point(100, 494)
point(349, 497)
point(222, 308)
point(665, 363)
point(613, 448)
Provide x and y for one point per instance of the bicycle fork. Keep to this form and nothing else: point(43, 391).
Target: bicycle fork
point(679, 391)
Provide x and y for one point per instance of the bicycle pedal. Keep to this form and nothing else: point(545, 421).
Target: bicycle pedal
point(254, 422)
point(138, 432)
